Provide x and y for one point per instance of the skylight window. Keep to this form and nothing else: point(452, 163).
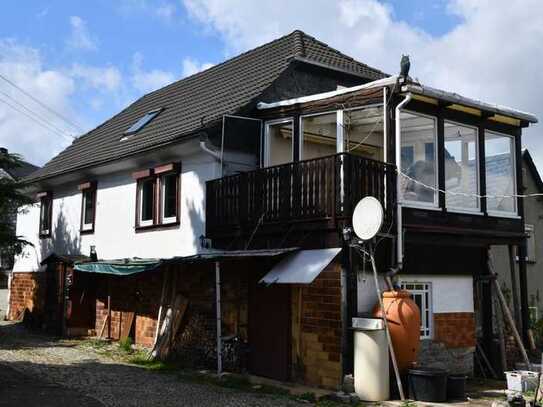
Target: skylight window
point(141, 123)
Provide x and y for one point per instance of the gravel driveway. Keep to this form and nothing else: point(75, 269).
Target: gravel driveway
point(111, 383)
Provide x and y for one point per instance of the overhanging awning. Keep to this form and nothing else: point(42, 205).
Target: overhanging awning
point(301, 267)
point(124, 267)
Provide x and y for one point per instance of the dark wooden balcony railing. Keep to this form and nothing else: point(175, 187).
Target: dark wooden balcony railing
point(321, 189)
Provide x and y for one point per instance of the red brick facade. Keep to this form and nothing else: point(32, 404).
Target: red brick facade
point(27, 292)
point(320, 328)
point(455, 329)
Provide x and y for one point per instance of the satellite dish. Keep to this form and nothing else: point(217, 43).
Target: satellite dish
point(367, 218)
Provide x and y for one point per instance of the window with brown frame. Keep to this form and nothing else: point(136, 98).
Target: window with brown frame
point(157, 196)
point(46, 213)
point(88, 206)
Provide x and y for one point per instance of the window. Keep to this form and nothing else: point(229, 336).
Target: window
point(363, 132)
point(418, 146)
point(46, 213)
point(88, 206)
point(530, 243)
point(318, 135)
point(500, 173)
point(157, 199)
point(461, 167)
point(142, 122)
point(422, 295)
point(279, 143)
point(168, 194)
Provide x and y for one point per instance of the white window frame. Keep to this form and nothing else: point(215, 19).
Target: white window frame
point(477, 210)
point(370, 106)
point(497, 213)
point(418, 204)
point(142, 222)
point(171, 219)
point(87, 226)
point(427, 325)
point(267, 141)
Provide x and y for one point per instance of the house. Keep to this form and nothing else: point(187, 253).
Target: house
point(503, 257)
point(234, 189)
point(13, 174)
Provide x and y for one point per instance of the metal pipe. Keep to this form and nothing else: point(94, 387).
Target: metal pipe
point(398, 150)
point(219, 319)
point(385, 127)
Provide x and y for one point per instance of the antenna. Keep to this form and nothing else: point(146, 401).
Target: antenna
point(367, 218)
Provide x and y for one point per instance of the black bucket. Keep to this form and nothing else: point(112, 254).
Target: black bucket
point(456, 387)
point(428, 384)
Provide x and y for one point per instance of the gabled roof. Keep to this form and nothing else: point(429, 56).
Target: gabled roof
point(201, 98)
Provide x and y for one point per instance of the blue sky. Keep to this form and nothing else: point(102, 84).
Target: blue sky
point(90, 59)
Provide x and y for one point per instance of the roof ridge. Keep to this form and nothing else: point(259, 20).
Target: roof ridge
point(299, 43)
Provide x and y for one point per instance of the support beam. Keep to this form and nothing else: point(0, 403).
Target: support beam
point(218, 314)
point(514, 288)
point(523, 286)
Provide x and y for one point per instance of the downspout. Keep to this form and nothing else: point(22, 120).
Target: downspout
point(398, 150)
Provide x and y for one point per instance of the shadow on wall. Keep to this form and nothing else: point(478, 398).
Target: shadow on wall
point(62, 241)
point(196, 223)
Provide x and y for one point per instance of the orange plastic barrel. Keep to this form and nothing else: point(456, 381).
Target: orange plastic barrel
point(403, 319)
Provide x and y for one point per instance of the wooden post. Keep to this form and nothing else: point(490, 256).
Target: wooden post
point(514, 287)
point(165, 275)
point(218, 314)
point(523, 287)
point(108, 308)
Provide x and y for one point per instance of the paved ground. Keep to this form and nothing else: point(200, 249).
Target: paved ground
point(59, 371)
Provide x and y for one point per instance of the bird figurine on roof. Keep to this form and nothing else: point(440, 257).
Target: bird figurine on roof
point(405, 64)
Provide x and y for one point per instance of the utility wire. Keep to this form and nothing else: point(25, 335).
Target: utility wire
point(422, 184)
point(30, 111)
point(44, 125)
point(59, 115)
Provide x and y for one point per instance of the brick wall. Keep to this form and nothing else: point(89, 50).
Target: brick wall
point(27, 292)
point(317, 334)
point(455, 329)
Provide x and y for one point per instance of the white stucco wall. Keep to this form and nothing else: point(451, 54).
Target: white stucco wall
point(449, 293)
point(114, 235)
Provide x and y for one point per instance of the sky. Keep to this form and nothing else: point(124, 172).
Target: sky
point(74, 64)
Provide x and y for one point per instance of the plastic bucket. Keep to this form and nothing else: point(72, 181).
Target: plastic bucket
point(428, 384)
point(456, 387)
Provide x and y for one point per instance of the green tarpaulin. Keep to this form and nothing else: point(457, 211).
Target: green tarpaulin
point(118, 267)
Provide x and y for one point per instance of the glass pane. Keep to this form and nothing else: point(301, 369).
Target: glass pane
point(45, 214)
point(418, 144)
point(319, 136)
point(500, 178)
point(363, 132)
point(142, 122)
point(279, 143)
point(88, 197)
point(170, 195)
point(461, 166)
point(147, 200)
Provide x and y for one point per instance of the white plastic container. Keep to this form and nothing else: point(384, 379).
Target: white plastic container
point(371, 374)
point(522, 380)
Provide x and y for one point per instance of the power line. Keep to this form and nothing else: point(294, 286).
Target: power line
point(37, 115)
point(59, 115)
point(44, 125)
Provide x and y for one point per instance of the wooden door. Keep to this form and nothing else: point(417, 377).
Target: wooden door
point(269, 330)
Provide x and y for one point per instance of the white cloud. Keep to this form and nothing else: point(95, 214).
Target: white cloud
point(23, 66)
point(164, 10)
point(102, 78)
point(147, 81)
point(494, 53)
point(191, 66)
point(80, 37)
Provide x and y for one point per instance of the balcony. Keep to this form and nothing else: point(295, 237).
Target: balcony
point(323, 190)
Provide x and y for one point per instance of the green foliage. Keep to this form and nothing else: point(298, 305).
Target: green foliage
point(12, 201)
point(126, 345)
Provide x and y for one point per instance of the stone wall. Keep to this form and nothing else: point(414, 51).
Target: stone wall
point(316, 339)
point(27, 292)
point(453, 343)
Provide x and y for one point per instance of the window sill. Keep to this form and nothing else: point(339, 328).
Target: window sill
point(157, 226)
point(424, 207)
point(503, 215)
point(465, 212)
point(86, 231)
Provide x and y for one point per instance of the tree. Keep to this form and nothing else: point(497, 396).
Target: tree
point(13, 201)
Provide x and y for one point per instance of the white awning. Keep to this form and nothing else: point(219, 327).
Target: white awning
point(301, 267)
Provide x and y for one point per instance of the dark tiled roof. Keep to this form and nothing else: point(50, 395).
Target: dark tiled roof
point(208, 95)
